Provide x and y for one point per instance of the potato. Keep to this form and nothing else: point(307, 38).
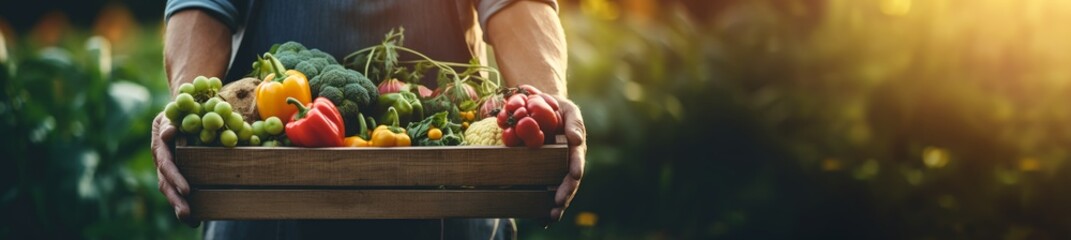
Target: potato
point(241, 95)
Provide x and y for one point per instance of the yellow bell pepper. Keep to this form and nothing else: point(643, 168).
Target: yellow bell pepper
point(389, 136)
point(356, 141)
point(272, 94)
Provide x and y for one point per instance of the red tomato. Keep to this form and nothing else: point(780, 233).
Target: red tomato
point(516, 101)
point(528, 130)
point(503, 119)
point(553, 102)
point(539, 110)
point(520, 113)
point(510, 138)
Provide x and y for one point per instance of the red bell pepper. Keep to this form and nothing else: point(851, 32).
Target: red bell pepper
point(316, 125)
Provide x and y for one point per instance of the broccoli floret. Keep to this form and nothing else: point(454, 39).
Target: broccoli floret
point(315, 84)
point(321, 62)
point(308, 68)
point(290, 46)
point(288, 59)
point(332, 67)
point(357, 94)
point(373, 91)
point(304, 54)
point(351, 116)
point(337, 78)
point(332, 93)
point(316, 53)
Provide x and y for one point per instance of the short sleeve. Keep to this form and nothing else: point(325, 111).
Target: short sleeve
point(231, 13)
point(485, 9)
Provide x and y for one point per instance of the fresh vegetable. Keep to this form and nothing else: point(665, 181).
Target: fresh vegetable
point(241, 95)
point(392, 86)
point(407, 104)
point(423, 91)
point(435, 134)
point(356, 141)
point(450, 134)
point(348, 90)
point(381, 63)
point(442, 104)
point(389, 136)
point(484, 133)
point(490, 105)
point(343, 84)
point(273, 92)
point(316, 125)
point(529, 117)
point(457, 94)
point(294, 55)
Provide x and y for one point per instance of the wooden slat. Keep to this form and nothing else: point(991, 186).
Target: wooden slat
point(368, 204)
point(373, 167)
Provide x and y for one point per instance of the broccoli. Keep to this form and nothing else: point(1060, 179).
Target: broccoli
point(316, 53)
point(290, 46)
point(288, 59)
point(373, 91)
point(320, 62)
point(315, 83)
point(358, 94)
point(331, 67)
point(351, 116)
point(304, 54)
point(337, 78)
point(330, 80)
point(332, 93)
point(309, 68)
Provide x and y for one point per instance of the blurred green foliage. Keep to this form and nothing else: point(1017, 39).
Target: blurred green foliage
point(833, 119)
point(764, 119)
point(77, 119)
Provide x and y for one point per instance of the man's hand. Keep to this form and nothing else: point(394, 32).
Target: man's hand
point(172, 184)
point(578, 148)
point(530, 49)
point(195, 44)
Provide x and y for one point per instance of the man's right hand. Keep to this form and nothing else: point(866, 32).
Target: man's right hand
point(172, 184)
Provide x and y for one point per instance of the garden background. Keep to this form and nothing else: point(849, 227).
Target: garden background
point(732, 119)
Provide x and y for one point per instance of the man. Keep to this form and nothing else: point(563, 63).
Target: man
point(221, 38)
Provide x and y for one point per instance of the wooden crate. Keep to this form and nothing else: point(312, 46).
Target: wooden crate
point(252, 183)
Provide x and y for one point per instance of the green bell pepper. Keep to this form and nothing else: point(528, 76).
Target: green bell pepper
point(407, 104)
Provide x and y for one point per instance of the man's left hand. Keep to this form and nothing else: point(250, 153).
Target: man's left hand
point(578, 148)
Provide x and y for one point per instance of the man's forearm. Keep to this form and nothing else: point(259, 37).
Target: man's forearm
point(530, 46)
point(195, 44)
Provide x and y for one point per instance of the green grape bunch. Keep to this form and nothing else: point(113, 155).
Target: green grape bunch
point(208, 120)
